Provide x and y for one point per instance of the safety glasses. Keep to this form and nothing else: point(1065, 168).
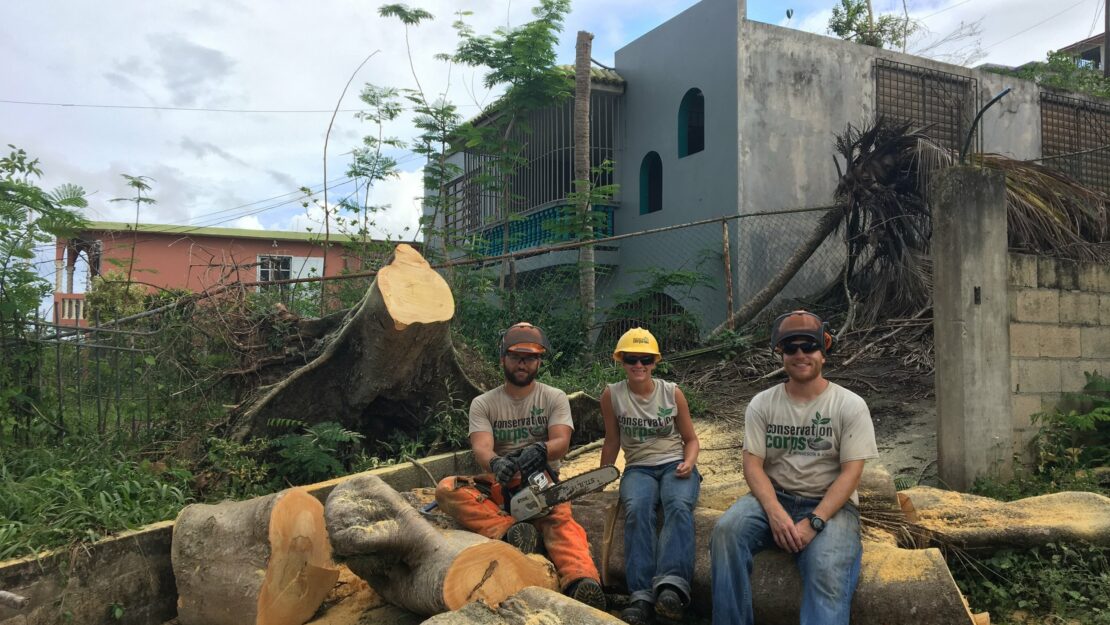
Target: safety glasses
point(643, 360)
point(529, 359)
point(807, 347)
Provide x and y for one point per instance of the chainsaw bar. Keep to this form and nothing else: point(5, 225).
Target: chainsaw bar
point(579, 485)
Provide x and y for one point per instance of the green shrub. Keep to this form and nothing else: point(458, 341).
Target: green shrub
point(317, 453)
point(1057, 580)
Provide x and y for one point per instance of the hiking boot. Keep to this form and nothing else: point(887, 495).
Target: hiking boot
point(524, 537)
point(669, 604)
point(639, 613)
point(588, 591)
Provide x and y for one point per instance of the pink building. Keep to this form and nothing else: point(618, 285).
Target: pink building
point(187, 257)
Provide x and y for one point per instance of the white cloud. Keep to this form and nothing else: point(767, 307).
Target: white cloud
point(214, 168)
point(1013, 31)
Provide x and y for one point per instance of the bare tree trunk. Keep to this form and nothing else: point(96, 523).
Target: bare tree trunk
point(414, 565)
point(825, 227)
point(506, 201)
point(586, 283)
point(896, 586)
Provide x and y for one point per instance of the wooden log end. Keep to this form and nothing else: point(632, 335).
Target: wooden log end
point(413, 292)
point(300, 572)
point(491, 572)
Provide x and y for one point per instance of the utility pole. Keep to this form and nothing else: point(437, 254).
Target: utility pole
point(1105, 40)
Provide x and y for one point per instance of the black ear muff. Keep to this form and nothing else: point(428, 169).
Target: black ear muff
point(827, 333)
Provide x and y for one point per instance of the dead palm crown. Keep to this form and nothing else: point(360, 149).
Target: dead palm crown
point(887, 225)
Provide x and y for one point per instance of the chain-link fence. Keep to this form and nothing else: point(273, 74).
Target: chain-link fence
point(134, 377)
point(680, 282)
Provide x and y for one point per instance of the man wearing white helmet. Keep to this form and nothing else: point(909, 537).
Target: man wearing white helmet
point(517, 429)
point(805, 444)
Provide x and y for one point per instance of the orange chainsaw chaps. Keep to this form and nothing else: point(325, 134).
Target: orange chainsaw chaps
point(478, 504)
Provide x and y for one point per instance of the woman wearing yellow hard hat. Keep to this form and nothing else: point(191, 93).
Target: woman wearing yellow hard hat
point(649, 419)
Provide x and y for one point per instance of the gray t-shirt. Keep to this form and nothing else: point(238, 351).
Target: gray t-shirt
point(517, 423)
point(648, 433)
point(803, 444)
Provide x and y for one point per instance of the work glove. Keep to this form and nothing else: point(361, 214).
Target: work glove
point(532, 459)
point(503, 469)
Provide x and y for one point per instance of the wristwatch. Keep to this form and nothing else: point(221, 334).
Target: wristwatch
point(816, 522)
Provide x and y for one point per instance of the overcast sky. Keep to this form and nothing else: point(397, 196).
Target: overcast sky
point(220, 168)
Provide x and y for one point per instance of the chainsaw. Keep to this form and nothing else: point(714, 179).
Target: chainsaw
point(540, 493)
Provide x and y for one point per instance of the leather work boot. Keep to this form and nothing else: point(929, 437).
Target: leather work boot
point(639, 613)
point(669, 604)
point(524, 537)
point(588, 591)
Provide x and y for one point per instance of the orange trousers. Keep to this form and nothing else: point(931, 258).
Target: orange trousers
point(478, 504)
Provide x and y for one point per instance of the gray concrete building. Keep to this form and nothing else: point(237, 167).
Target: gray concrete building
point(711, 115)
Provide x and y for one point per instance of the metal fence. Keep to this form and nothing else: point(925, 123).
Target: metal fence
point(680, 281)
point(73, 380)
point(1073, 135)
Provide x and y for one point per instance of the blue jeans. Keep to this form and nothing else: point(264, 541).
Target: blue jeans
point(651, 561)
point(829, 565)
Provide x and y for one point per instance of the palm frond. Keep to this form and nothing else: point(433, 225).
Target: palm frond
point(69, 195)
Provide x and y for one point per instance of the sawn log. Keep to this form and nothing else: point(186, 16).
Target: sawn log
point(414, 565)
point(264, 561)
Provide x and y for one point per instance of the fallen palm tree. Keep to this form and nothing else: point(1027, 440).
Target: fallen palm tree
point(886, 222)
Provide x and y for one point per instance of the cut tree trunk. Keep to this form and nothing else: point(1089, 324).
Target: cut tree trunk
point(264, 561)
point(980, 523)
point(414, 565)
point(531, 606)
point(897, 586)
point(388, 366)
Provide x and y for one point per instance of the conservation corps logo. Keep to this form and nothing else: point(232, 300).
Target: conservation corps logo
point(515, 430)
point(642, 429)
point(806, 440)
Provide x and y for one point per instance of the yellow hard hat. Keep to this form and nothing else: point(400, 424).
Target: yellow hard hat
point(637, 341)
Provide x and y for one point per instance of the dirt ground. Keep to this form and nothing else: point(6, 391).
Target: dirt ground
point(902, 406)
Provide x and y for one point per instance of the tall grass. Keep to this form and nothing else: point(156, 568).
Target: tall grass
point(51, 497)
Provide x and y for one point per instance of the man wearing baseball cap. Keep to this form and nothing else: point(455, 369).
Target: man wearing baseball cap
point(518, 429)
point(805, 444)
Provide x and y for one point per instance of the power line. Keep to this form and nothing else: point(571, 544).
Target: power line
point(943, 10)
point(173, 108)
point(1094, 20)
point(1047, 19)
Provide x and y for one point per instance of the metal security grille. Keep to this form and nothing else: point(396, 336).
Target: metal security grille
point(1070, 125)
point(943, 104)
point(546, 175)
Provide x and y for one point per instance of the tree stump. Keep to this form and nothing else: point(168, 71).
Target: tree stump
point(264, 561)
point(414, 565)
point(386, 367)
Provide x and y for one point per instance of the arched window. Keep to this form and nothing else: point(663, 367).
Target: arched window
point(651, 183)
point(691, 123)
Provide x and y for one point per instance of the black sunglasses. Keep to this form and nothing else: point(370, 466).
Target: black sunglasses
point(643, 360)
point(807, 347)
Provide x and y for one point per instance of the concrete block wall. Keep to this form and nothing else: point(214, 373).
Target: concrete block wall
point(1059, 328)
